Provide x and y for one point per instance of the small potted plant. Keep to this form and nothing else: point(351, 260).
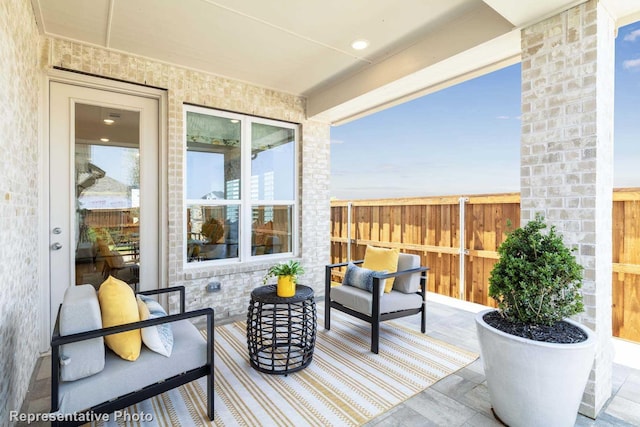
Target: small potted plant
point(287, 273)
point(536, 360)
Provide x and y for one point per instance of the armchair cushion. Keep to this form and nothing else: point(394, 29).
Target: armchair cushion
point(121, 377)
point(80, 312)
point(361, 278)
point(407, 283)
point(362, 301)
point(382, 259)
point(115, 260)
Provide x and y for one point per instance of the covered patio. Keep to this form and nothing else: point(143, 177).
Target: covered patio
point(460, 399)
point(290, 67)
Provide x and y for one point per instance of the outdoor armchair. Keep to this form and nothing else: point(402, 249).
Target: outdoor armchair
point(408, 296)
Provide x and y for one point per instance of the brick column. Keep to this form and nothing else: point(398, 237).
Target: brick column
point(567, 157)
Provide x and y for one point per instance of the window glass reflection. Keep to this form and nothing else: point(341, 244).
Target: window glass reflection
point(272, 162)
point(240, 186)
point(271, 229)
point(212, 232)
point(107, 179)
point(213, 157)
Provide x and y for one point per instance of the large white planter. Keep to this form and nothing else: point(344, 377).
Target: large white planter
point(534, 383)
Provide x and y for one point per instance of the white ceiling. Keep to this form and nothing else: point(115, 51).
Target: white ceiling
point(302, 47)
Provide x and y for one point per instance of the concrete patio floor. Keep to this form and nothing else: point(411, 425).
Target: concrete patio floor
point(461, 399)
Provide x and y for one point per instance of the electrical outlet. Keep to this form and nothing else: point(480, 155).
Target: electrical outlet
point(214, 286)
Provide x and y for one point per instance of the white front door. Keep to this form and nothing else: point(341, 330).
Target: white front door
point(103, 189)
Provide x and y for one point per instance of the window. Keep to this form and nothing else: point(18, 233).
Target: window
point(240, 186)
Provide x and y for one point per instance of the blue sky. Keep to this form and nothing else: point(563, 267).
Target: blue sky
point(466, 139)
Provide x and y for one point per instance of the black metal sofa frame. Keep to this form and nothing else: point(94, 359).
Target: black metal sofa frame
point(376, 316)
point(121, 402)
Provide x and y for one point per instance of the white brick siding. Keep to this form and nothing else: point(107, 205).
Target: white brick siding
point(19, 232)
point(185, 85)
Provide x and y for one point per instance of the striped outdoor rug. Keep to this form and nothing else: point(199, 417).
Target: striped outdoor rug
point(345, 384)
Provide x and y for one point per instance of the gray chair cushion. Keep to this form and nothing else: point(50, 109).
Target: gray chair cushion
point(80, 312)
point(121, 376)
point(408, 283)
point(361, 300)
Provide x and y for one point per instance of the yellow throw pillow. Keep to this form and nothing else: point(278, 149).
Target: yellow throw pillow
point(381, 259)
point(118, 306)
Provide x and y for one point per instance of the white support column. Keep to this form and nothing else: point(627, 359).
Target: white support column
point(567, 156)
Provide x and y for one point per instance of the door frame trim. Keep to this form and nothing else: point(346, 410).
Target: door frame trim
point(93, 82)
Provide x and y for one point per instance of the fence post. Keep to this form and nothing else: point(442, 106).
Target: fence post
point(462, 250)
point(349, 204)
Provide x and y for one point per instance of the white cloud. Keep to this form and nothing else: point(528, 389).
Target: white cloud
point(632, 36)
point(337, 141)
point(631, 64)
point(503, 117)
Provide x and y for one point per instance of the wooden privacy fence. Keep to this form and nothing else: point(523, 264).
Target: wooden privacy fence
point(458, 237)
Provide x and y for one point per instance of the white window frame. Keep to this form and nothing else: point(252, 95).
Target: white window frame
point(245, 203)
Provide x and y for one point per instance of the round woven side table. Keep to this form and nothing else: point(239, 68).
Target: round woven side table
point(281, 332)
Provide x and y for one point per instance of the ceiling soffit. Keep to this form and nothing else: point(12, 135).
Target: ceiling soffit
point(477, 26)
point(303, 47)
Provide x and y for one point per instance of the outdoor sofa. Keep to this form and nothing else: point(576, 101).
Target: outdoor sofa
point(121, 383)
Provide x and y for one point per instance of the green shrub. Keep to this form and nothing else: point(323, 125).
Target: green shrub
point(537, 279)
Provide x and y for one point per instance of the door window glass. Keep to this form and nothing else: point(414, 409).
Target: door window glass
point(107, 191)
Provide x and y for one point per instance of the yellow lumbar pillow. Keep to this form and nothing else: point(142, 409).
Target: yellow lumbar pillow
point(381, 259)
point(118, 306)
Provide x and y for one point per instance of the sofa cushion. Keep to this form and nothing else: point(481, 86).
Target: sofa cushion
point(361, 278)
point(382, 259)
point(120, 377)
point(118, 305)
point(361, 301)
point(157, 338)
point(80, 312)
point(408, 283)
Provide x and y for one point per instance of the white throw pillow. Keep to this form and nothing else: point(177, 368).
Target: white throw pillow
point(157, 338)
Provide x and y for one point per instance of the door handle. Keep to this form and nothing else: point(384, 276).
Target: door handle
point(56, 246)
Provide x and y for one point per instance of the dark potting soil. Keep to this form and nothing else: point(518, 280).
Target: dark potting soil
point(561, 332)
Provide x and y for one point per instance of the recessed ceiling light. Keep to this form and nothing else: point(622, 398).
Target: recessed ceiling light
point(234, 121)
point(108, 121)
point(360, 44)
point(104, 139)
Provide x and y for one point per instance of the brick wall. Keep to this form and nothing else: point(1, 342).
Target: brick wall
point(567, 156)
point(185, 85)
point(19, 301)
